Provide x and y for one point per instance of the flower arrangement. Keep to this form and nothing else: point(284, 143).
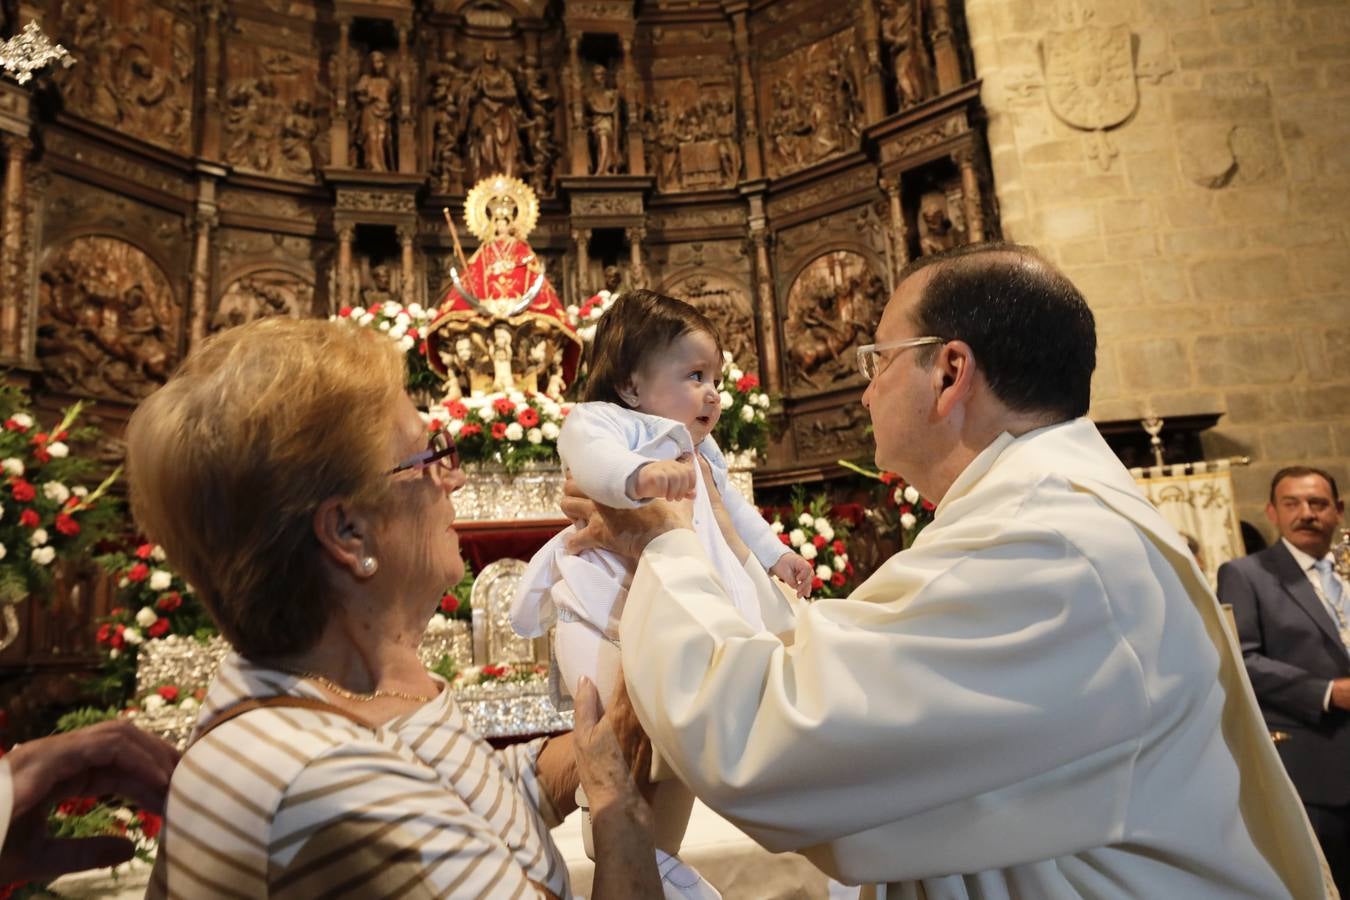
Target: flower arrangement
point(407, 326)
point(820, 542)
point(45, 516)
point(584, 318)
point(507, 429)
point(911, 510)
point(744, 425)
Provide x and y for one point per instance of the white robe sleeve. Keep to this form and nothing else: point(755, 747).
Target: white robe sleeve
point(594, 447)
point(6, 799)
point(919, 698)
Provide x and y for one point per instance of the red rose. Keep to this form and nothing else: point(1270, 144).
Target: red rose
point(138, 572)
point(168, 691)
point(503, 406)
point(785, 539)
point(23, 491)
point(169, 602)
point(40, 438)
point(816, 584)
point(150, 823)
point(747, 383)
point(12, 425)
point(837, 546)
point(499, 430)
point(528, 418)
point(159, 629)
point(345, 312)
point(62, 435)
point(819, 541)
point(838, 579)
point(29, 518)
point(145, 551)
point(449, 603)
point(116, 640)
point(42, 456)
point(470, 430)
point(103, 633)
point(457, 410)
point(67, 525)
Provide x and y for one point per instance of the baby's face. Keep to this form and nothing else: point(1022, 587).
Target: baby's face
point(681, 383)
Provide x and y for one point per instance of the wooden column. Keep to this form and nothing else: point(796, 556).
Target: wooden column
point(632, 121)
point(338, 133)
point(407, 139)
point(210, 147)
point(945, 58)
point(970, 194)
point(581, 153)
point(770, 365)
point(204, 224)
point(874, 85)
point(636, 235)
point(749, 103)
point(582, 238)
point(406, 234)
point(13, 293)
point(346, 289)
point(899, 234)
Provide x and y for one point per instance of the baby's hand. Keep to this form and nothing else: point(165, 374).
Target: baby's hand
point(666, 479)
point(795, 571)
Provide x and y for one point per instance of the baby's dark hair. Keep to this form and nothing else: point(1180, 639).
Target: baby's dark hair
point(639, 324)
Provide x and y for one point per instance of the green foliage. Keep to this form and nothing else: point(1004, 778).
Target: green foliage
point(84, 717)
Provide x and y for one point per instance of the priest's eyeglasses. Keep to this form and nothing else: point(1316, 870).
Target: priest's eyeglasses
point(869, 355)
point(440, 447)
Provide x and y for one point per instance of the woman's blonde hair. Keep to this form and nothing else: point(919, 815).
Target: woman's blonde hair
point(229, 460)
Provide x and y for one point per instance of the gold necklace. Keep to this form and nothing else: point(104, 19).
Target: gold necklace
point(341, 691)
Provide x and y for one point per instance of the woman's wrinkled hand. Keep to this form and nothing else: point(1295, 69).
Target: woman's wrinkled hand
point(614, 756)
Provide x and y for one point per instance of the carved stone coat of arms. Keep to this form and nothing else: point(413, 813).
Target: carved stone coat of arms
point(1090, 80)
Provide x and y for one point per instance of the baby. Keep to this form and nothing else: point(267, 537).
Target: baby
point(644, 431)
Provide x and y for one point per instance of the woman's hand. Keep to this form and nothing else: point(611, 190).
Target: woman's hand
point(626, 532)
point(614, 755)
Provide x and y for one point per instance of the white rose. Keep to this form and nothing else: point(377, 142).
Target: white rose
point(840, 562)
point(23, 419)
point(2, 510)
point(153, 702)
point(808, 551)
point(80, 491)
point(550, 431)
point(514, 432)
point(777, 527)
point(58, 450)
point(747, 414)
point(437, 624)
point(763, 401)
point(516, 397)
point(160, 580)
point(12, 466)
point(38, 537)
point(726, 400)
point(827, 532)
point(132, 636)
point(806, 520)
point(406, 343)
point(157, 553)
point(358, 312)
point(43, 556)
point(188, 704)
point(416, 311)
point(907, 521)
point(573, 311)
point(390, 309)
point(534, 436)
point(398, 331)
point(403, 319)
point(146, 617)
point(796, 537)
point(384, 326)
point(911, 495)
point(820, 524)
point(823, 572)
point(596, 312)
point(735, 374)
point(55, 490)
point(587, 334)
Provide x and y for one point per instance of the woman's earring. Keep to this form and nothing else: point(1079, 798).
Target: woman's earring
point(369, 565)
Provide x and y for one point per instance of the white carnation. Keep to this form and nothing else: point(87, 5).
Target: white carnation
point(58, 450)
point(146, 617)
point(160, 580)
point(726, 399)
point(840, 562)
point(12, 466)
point(534, 436)
point(157, 553)
point(398, 331)
point(514, 432)
point(777, 527)
point(827, 532)
point(823, 572)
point(403, 319)
point(38, 537)
point(114, 653)
point(43, 556)
point(406, 343)
point(735, 374)
point(2, 511)
point(911, 495)
point(796, 537)
point(188, 704)
point(455, 426)
point(907, 521)
point(81, 491)
point(747, 414)
point(437, 624)
point(55, 490)
point(726, 357)
point(550, 431)
point(366, 319)
point(808, 551)
point(3, 551)
point(416, 311)
point(806, 520)
point(596, 312)
point(23, 419)
point(132, 636)
point(358, 312)
point(152, 702)
point(821, 524)
point(390, 309)
point(384, 326)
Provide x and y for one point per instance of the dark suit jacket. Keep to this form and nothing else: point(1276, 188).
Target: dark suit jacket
point(1292, 648)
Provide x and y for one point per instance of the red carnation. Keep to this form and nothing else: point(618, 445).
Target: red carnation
point(499, 430)
point(747, 383)
point(345, 312)
point(104, 632)
point(115, 640)
point(888, 477)
point(837, 579)
point(503, 406)
point(819, 541)
point(905, 508)
point(528, 418)
point(837, 546)
point(145, 551)
point(168, 691)
point(23, 491)
point(449, 603)
point(784, 538)
point(13, 425)
point(29, 518)
point(138, 572)
point(40, 438)
point(848, 569)
point(72, 503)
point(470, 430)
point(927, 505)
point(159, 629)
point(457, 410)
point(169, 602)
point(76, 806)
point(67, 525)
point(816, 584)
point(42, 456)
point(150, 823)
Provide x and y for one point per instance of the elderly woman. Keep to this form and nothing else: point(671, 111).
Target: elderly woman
point(292, 482)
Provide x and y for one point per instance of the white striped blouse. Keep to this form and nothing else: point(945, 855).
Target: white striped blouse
point(299, 803)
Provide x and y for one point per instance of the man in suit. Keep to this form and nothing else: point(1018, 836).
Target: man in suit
point(1293, 618)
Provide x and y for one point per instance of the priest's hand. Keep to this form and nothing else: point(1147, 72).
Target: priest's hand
point(626, 532)
point(108, 758)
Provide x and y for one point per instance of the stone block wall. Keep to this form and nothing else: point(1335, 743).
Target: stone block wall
point(1207, 221)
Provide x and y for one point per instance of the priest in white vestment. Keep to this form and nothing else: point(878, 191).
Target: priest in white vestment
point(1037, 700)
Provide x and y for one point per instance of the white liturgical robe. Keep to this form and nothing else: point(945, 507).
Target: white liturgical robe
point(1036, 700)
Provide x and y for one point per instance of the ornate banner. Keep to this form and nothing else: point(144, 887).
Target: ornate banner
point(1201, 506)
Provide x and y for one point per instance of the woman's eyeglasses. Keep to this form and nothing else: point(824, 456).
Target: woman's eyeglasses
point(440, 447)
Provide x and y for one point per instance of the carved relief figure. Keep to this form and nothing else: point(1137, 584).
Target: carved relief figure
point(465, 361)
point(375, 94)
point(270, 115)
point(602, 118)
point(832, 306)
point(267, 292)
point(727, 304)
point(902, 30)
point(494, 105)
point(108, 320)
point(692, 138)
point(813, 102)
point(937, 230)
point(379, 287)
point(542, 150)
point(447, 124)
